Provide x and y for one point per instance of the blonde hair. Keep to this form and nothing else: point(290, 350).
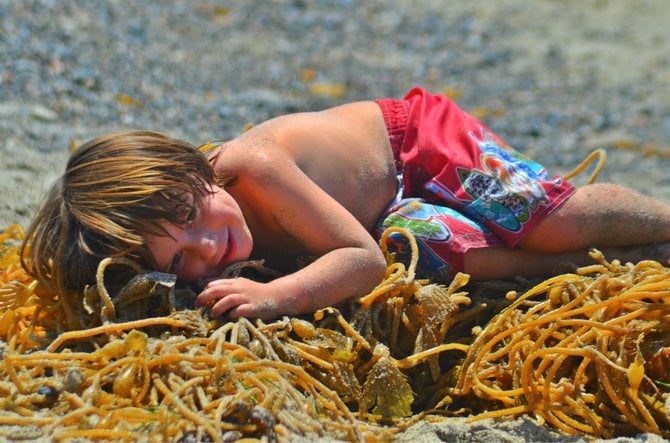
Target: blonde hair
point(115, 189)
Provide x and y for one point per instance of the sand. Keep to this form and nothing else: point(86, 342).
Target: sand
point(555, 79)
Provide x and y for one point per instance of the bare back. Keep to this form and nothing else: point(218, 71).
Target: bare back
point(344, 150)
point(356, 166)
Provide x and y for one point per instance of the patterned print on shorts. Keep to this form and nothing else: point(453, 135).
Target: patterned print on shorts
point(419, 219)
point(507, 189)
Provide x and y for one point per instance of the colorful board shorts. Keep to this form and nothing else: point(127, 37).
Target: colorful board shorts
point(460, 185)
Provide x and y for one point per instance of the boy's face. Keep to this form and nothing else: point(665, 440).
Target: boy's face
point(216, 236)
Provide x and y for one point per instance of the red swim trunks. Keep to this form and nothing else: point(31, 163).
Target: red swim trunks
point(461, 185)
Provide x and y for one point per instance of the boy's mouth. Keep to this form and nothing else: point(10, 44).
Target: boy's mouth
point(230, 251)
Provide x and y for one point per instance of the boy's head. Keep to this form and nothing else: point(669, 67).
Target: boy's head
point(115, 190)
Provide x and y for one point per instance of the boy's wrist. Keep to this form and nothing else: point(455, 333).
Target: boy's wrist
point(291, 296)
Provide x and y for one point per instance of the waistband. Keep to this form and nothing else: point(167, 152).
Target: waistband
point(396, 116)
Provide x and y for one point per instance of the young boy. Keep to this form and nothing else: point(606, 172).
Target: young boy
point(325, 185)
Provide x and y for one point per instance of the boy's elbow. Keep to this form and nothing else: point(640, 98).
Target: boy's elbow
point(377, 269)
point(381, 266)
point(366, 272)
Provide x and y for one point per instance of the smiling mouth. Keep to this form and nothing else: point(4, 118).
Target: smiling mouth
point(230, 251)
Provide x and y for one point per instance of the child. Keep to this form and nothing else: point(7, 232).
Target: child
point(326, 184)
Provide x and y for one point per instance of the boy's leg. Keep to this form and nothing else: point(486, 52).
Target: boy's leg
point(601, 215)
point(503, 263)
point(621, 223)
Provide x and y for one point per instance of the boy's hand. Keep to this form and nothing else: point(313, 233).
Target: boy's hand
point(241, 297)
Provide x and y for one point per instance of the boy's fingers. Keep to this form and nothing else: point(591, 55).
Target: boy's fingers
point(219, 282)
point(225, 304)
point(212, 293)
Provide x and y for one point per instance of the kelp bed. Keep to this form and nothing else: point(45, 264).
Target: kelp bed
point(586, 352)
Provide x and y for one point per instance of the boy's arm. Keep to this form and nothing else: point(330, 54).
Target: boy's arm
point(349, 262)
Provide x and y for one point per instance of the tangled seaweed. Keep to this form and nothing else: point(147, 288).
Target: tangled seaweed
point(587, 353)
point(592, 356)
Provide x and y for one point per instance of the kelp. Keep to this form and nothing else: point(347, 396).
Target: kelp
point(586, 352)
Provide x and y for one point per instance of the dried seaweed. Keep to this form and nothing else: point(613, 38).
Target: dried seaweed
point(590, 356)
point(586, 352)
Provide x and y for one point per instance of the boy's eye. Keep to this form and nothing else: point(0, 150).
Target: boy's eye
point(191, 216)
point(175, 262)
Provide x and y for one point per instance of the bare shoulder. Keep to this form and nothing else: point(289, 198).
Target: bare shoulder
point(249, 160)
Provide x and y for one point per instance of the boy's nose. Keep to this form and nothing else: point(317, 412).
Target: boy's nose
point(206, 246)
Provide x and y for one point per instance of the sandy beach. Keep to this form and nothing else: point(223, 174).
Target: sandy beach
point(555, 79)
